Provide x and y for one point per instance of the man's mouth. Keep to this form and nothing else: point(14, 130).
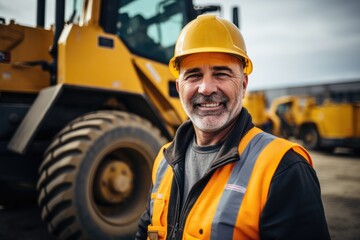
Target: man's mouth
point(212, 108)
point(214, 104)
point(209, 105)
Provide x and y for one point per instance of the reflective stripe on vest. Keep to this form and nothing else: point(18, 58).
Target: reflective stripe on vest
point(247, 223)
point(163, 166)
point(231, 199)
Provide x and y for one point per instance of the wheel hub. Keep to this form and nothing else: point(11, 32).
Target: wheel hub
point(116, 182)
point(309, 137)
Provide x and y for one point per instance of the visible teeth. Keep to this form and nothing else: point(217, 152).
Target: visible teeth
point(209, 105)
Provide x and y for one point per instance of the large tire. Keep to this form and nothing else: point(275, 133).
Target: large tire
point(310, 137)
point(95, 178)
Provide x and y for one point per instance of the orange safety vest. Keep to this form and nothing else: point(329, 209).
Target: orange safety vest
point(231, 203)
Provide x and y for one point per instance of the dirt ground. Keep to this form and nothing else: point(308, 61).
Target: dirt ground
point(339, 175)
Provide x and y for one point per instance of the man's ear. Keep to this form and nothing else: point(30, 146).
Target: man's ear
point(245, 84)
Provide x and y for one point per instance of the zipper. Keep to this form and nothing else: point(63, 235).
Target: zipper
point(179, 220)
point(186, 206)
point(173, 237)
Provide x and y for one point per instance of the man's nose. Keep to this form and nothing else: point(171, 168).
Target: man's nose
point(208, 85)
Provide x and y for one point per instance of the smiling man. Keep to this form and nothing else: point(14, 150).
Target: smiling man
point(211, 93)
point(221, 177)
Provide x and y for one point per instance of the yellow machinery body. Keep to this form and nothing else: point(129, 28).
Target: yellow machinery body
point(325, 125)
point(81, 64)
point(25, 44)
point(256, 104)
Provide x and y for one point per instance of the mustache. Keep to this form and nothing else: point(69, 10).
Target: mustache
point(214, 97)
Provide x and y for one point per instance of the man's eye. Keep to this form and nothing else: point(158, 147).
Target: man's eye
point(193, 77)
point(222, 75)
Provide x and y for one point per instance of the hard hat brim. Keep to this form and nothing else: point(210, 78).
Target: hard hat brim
point(174, 62)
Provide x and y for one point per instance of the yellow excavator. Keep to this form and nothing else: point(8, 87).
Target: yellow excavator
point(85, 107)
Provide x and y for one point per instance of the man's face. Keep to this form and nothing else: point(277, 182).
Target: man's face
point(211, 88)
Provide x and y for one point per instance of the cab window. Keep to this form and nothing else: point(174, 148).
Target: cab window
point(150, 28)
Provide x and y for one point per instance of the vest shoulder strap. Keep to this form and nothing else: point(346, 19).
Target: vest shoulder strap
point(259, 184)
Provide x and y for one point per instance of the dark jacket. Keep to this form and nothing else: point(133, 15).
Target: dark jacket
point(294, 181)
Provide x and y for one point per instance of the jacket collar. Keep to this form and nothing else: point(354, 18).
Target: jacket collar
point(177, 149)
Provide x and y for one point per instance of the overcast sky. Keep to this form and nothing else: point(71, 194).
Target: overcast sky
point(291, 42)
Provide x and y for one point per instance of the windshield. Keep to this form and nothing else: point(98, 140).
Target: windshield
point(150, 28)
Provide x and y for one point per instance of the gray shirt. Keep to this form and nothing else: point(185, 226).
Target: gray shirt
point(198, 160)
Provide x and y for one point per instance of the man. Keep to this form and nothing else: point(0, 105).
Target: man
point(221, 177)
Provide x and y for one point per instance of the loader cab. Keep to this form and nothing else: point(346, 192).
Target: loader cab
point(148, 28)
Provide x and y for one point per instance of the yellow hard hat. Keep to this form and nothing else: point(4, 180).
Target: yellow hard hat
point(209, 33)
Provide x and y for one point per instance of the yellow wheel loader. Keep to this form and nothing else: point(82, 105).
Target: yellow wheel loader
point(85, 107)
point(256, 104)
point(320, 126)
